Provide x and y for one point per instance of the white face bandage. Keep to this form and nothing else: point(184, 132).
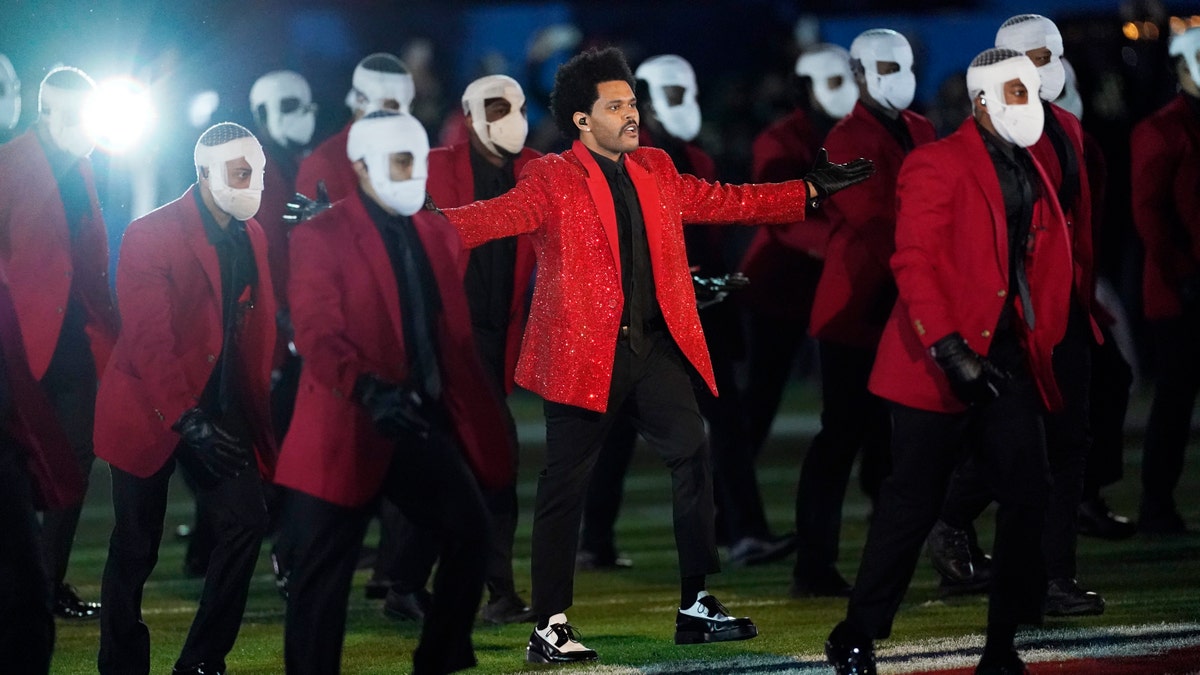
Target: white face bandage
point(62, 109)
point(290, 114)
point(374, 139)
point(378, 78)
point(682, 119)
point(241, 203)
point(825, 62)
point(1069, 99)
point(894, 90)
point(1027, 32)
point(1187, 45)
point(10, 94)
point(507, 134)
point(1020, 124)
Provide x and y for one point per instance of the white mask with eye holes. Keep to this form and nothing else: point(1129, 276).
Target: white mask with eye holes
point(1020, 124)
point(378, 78)
point(681, 120)
point(1187, 45)
point(1026, 32)
point(290, 114)
point(505, 136)
point(62, 110)
point(10, 94)
point(825, 62)
point(374, 139)
point(894, 91)
point(241, 203)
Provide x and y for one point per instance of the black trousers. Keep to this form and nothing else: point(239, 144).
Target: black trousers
point(654, 390)
point(1068, 444)
point(1007, 438)
point(1170, 421)
point(239, 520)
point(773, 346)
point(70, 383)
point(430, 483)
point(852, 418)
point(1109, 399)
point(27, 636)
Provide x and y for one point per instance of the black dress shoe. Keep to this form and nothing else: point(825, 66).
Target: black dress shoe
point(507, 609)
point(558, 642)
point(68, 605)
point(950, 552)
point(1095, 519)
point(709, 621)
point(826, 583)
point(199, 669)
point(749, 551)
point(849, 654)
point(590, 560)
point(1004, 664)
point(407, 606)
point(1064, 597)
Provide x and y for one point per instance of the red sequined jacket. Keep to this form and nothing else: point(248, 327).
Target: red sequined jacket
point(563, 202)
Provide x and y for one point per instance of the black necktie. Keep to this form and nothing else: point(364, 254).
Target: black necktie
point(418, 326)
point(633, 294)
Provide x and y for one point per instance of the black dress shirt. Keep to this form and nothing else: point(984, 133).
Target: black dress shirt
point(489, 278)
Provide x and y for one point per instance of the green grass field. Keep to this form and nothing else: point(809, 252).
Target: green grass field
point(628, 616)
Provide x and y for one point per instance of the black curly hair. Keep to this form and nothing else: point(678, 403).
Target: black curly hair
point(575, 84)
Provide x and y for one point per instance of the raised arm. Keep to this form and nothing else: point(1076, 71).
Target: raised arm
point(521, 210)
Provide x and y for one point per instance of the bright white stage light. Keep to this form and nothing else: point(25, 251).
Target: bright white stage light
point(119, 114)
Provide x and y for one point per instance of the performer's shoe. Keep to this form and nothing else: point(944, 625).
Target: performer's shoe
point(1095, 519)
point(558, 642)
point(1064, 597)
point(1007, 664)
point(407, 606)
point(749, 551)
point(824, 583)
point(199, 669)
point(507, 609)
point(591, 560)
point(68, 605)
point(849, 652)
point(950, 552)
point(707, 620)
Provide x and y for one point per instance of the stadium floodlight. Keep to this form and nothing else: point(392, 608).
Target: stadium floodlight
point(119, 114)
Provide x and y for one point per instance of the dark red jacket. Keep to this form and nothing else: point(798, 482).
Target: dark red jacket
point(346, 309)
point(1165, 150)
point(169, 291)
point(564, 203)
point(452, 183)
point(951, 267)
point(328, 162)
point(856, 291)
point(41, 263)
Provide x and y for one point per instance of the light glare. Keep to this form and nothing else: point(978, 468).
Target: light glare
point(119, 114)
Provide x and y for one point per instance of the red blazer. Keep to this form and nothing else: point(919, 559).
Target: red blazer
point(784, 261)
point(1165, 149)
point(345, 306)
point(951, 267)
point(564, 203)
point(452, 183)
point(169, 291)
point(856, 291)
point(29, 420)
point(328, 162)
point(39, 259)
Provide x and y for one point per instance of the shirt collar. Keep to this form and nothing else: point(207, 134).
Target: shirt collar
point(608, 166)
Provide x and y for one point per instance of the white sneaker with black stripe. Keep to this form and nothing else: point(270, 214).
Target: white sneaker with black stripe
point(558, 642)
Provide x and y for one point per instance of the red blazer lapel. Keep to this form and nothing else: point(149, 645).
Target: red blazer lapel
point(985, 175)
point(649, 199)
point(198, 242)
point(371, 247)
point(597, 186)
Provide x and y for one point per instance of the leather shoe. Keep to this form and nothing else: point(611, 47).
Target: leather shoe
point(1095, 519)
point(749, 551)
point(708, 621)
point(849, 654)
point(407, 606)
point(950, 552)
point(68, 605)
point(1006, 664)
point(826, 583)
point(590, 560)
point(507, 609)
point(1064, 597)
point(558, 642)
point(200, 669)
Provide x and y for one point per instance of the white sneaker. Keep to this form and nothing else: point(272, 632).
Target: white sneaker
point(558, 642)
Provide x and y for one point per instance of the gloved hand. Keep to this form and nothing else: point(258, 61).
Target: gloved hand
point(300, 208)
point(711, 290)
point(222, 453)
point(827, 177)
point(394, 408)
point(973, 378)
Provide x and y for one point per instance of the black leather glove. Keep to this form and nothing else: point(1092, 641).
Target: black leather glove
point(973, 378)
point(300, 208)
point(222, 453)
point(394, 408)
point(827, 177)
point(711, 290)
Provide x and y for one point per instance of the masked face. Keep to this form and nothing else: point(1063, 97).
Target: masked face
point(286, 99)
point(887, 61)
point(1038, 38)
point(495, 105)
point(235, 175)
point(1187, 45)
point(395, 151)
point(10, 94)
point(62, 112)
point(394, 181)
point(828, 68)
point(672, 85)
point(375, 90)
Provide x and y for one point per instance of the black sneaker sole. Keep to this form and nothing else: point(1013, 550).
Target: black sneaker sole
point(536, 656)
point(695, 637)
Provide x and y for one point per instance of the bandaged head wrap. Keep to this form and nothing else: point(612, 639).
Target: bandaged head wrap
point(1187, 44)
point(377, 78)
point(507, 134)
point(1026, 32)
point(821, 63)
point(1019, 124)
point(222, 143)
point(10, 94)
point(894, 90)
point(61, 98)
point(373, 139)
point(681, 120)
point(286, 99)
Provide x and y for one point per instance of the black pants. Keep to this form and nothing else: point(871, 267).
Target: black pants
point(70, 384)
point(1109, 398)
point(655, 391)
point(1170, 421)
point(239, 520)
point(852, 418)
point(27, 637)
point(433, 487)
point(1007, 438)
point(773, 346)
